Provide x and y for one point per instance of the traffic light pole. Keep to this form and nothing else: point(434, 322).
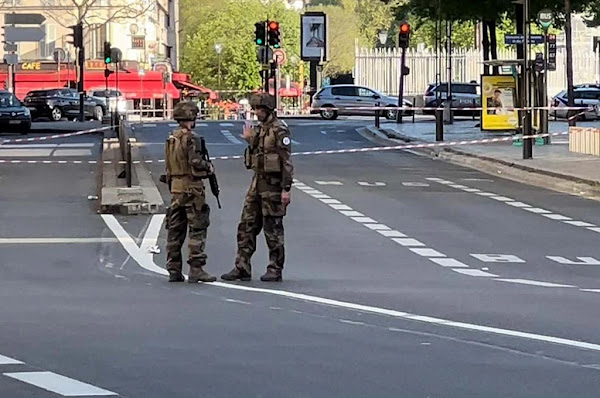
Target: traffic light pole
point(80, 85)
point(401, 88)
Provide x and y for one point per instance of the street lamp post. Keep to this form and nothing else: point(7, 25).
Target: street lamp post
point(383, 36)
point(219, 49)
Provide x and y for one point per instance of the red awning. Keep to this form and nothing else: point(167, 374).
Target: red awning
point(189, 86)
point(133, 85)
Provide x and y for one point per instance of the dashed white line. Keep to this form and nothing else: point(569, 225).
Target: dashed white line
point(352, 322)
point(518, 204)
point(329, 182)
point(537, 210)
point(595, 229)
point(364, 220)
point(9, 361)
point(226, 124)
point(502, 198)
point(590, 290)
point(426, 252)
point(557, 217)
point(331, 201)
point(475, 272)
point(58, 384)
point(341, 207)
point(532, 283)
point(352, 213)
point(579, 223)
point(43, 241)
point(449, 262)
point(408, 242)
point(392, 234)
point(378, 227)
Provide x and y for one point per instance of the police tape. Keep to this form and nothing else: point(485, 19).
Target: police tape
point(54, 136)
point(308, 153)
point(463, 108)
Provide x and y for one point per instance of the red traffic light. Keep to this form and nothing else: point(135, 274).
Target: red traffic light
point(273, 25)
point(405, 28)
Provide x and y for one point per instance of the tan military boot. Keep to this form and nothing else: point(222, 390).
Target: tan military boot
point(197, 274)
point(237, 274)
point(272, 275)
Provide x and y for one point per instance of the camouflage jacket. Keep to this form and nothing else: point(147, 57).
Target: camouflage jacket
point(183, 156)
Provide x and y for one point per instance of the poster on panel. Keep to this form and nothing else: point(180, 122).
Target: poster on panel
point(313, 31)
point(499, 97)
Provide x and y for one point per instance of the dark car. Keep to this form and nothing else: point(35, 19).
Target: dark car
point(62, 103)
point(464, 95)
point(13, 114)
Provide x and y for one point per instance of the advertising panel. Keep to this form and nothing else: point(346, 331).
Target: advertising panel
point(499, 97)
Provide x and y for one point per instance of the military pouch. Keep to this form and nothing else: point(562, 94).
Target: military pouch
point(248, 158)
point(179, 185)
point(272, 163)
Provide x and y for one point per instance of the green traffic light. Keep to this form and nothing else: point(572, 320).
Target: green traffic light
point(107, 60)
point(259, 41)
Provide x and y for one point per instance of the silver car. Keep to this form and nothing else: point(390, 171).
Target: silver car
point(345, 96)
point(587, 95)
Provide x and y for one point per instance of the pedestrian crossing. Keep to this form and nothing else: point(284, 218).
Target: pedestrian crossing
point(47, 150)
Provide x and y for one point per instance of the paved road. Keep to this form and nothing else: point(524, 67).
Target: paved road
point(405, 277)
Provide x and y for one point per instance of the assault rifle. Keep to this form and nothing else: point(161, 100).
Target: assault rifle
point(212, 179)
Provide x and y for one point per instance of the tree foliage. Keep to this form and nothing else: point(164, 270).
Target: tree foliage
point(231, 24)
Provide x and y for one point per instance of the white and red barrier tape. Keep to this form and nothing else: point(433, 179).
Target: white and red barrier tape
point(325, 152)
point(54, 136)
point(466, 108)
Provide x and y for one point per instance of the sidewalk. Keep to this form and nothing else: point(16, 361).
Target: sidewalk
point(551, 164)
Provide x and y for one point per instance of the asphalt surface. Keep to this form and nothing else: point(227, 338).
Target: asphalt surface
point(443, 284)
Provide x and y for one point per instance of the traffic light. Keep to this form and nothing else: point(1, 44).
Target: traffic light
point(77, 35)
point(274, 36)
point(404, 35)
point(260, 33)
point(107, 53)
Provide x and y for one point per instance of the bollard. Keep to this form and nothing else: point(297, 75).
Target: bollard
point(128, 165)
point(377, 122)
point(439, 124)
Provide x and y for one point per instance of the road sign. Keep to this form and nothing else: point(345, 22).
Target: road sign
point(519, 39)
point(279, 56)
point(545, 18)
point(59, 55)
point(11, 59)
point(24, 19)
point(552, 52)
point(14, 34)
point(539, 62)
point(8, 47)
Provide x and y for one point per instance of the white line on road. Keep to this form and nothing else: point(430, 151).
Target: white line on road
point(449, 263)
point(148, 125)
point(9, 361)
point(475, 272)
point(426, 252)
point(590, 290)
point(42, 241)
point(323, 132)
point(59, 384)
point(231, 137)
point(415, 184)
point(534, 283)
point(329, 183)
point(226, 124)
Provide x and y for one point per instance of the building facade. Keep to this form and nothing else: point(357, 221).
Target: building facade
point(146, 31)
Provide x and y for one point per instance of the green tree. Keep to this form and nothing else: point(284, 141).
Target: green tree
point(231, 24)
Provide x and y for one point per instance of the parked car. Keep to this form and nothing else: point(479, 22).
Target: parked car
point(111, 98)
point(13, 114)
point(344, 96)
point(584, 95)
point(60, 103)
point(464, 95)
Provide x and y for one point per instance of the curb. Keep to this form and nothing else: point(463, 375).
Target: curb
point(521, 173)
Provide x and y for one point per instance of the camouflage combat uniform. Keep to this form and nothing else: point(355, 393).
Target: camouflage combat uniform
point(188, 209)
point(269, 156)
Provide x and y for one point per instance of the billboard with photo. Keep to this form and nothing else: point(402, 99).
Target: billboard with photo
point(499, 98)
point(313, 32)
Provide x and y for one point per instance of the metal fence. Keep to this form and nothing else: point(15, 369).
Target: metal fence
point(380, 68)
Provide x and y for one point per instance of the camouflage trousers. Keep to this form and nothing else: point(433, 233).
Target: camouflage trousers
point(187, 211)
point(262, 210)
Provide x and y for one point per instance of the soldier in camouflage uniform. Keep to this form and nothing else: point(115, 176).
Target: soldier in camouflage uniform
point(185, 170)
point(268, 155)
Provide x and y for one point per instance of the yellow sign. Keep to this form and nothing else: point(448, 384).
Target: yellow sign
point(499, 96)
point(31, 66)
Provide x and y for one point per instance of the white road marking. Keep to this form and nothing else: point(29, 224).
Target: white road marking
point(43, 241)
point(378, 227)
point(329, 182)
point(9, 361)
point(435, 179)
point(231, 137)
point(458, 186)
point(415, 317)
point(321, 196)
point(140, 256)
point(533, 283)
point(476, 179)
point(449, 263)
point(502, 198)
point(475, 272)
point(590, 290)
point(54, 146)
point(582, 260)
point(518, 204)
point(485, 194)
point(226, 124)
point(341, 207)
point(426, 252)
point(408, 242)
point(202, 125)
point(392, 234)
point(557, 217)
point(471, 190)
point(351, 322)
point(59, 384)
point(331, 201)
point(323, 132)
point(312, 191)
point(352, 213)
point(173, 125)
point(537, 210)
point(498, 258)
point(149, 125)
point(368, 184)
point(237, 301)
point(415, 184)
point(364, 220)
point(595, 229)
point(579, 223)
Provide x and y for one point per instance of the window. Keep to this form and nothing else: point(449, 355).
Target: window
point(8, 100)
point(346, 91)
point(99, 36)
point(464, 88)
point(48, 43)
point(365, 92)
point(587, 95)
point(167, 20)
